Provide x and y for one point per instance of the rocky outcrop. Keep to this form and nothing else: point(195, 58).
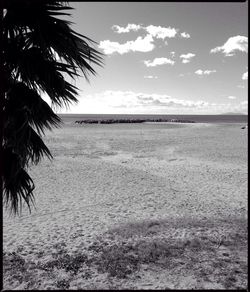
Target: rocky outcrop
point(122, 121)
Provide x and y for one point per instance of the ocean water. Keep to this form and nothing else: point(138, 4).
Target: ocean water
point(71, 118)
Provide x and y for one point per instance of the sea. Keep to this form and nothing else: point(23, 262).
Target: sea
point(232, 118)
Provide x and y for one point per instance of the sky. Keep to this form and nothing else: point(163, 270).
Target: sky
point(164, 57)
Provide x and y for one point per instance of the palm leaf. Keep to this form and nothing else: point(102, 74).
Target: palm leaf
point(39, 50)
point(24, 141)
point(37, 72)
point(18, 185)
point(22, 99)
point(46, 31)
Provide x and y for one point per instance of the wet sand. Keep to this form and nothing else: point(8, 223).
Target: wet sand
point(189, 178)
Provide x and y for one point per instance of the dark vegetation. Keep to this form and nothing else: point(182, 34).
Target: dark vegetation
point(122, 254)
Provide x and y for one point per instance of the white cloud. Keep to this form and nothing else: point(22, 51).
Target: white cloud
point(172, 54)
point(128, 28)
point(130, 99)
point(199, 72)
point(186, 58)
point(233, 44)
point(205, 72)
point(185, 35)
point(158, 61)
point(208, 72)
point(160, 32)
point(231, 97)
point(245, 76)
point(127, 102)
point(245, 102)
point(139, 45)
point(150, 77)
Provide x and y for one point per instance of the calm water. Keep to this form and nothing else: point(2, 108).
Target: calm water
point(71, 118)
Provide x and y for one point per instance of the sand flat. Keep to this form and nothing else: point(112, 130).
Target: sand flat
point(190, 178)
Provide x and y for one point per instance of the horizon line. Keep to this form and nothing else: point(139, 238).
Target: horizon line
point(229, 114)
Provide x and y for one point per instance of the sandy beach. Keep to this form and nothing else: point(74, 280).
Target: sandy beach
point(114, 194)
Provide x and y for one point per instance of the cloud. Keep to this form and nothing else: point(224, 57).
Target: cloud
point(128, 28)
point(139, 45)
point(128, 102)
point(245, 76)
point(172, 54)
point(150, 77)
point(199, 72)
point(231, 97)
point(244, 103)
point(205, 72)
point(233, 44)
point(185, 35)
point(158, 61)
point(186, 58)
point(160, 32)
point(131, 99)
point(144, 97)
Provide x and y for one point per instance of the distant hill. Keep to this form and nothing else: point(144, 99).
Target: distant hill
point(232, 114)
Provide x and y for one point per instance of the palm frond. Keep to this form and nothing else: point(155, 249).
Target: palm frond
point(24, 141)
point(22, 99)
point(37, 72)
point(46, 31)
point(39, 50)
point(18, 185)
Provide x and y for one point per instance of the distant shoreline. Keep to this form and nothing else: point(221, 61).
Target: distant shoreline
point(133, 121)
point(72, 118)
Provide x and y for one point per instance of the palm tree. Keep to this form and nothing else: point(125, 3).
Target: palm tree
point(39, 51)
